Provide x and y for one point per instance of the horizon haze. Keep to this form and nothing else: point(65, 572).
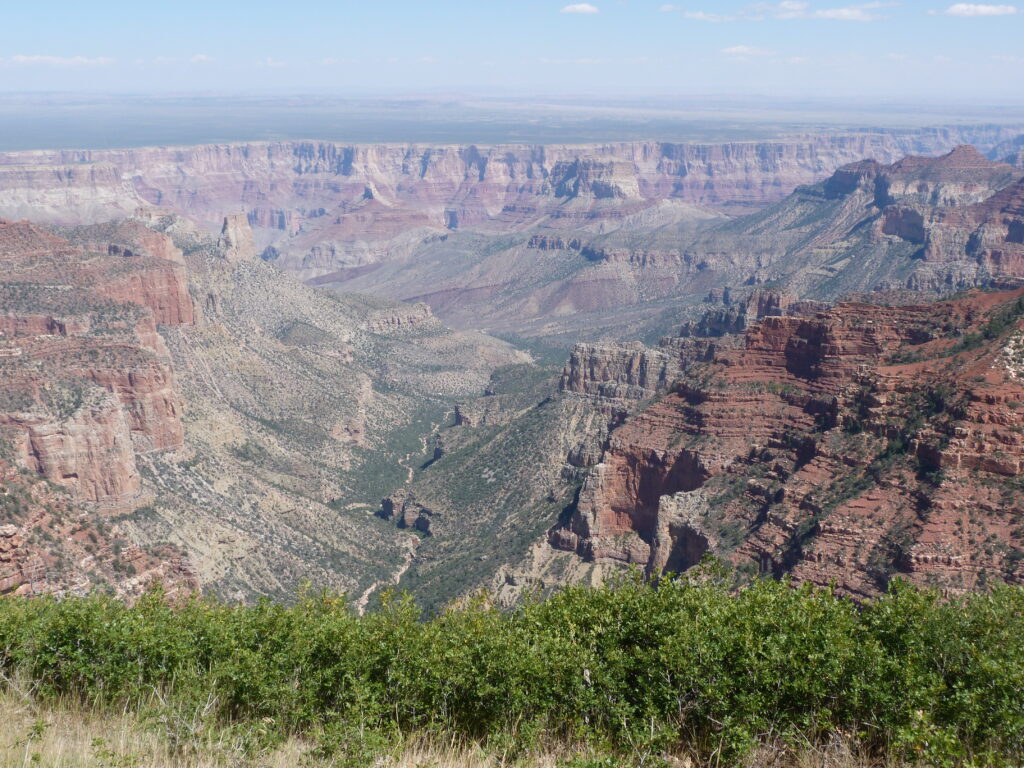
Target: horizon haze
point(917, 50)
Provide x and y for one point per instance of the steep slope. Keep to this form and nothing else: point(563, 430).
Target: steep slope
point(844, 445)
point(852, 445)
point(921, 224)
point(302, 411)
point(1009, 151)
point(490, 485)
point(49, 544)
point(86, 388)
point(88, 381)
point(551, 280)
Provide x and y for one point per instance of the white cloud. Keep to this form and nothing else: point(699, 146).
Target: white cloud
point(978, 9)
point(201, 58)
point(1008, 59)
point(669, 8)
point(785, 10)
point(712, 17)
point(427, 60)
point(274, 63)
point(329, 61)
point(861, 12)
point(744, 50)
point(581, 8)
point(845, 14)
point(797, 9)
point(61, 61)
point(796, 60)
point(788, 9)
point(897, 56)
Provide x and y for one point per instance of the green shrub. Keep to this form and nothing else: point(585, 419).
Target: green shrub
point(632, 670)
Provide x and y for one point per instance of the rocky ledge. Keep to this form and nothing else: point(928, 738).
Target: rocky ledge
point(861, 443)
point(87, 379)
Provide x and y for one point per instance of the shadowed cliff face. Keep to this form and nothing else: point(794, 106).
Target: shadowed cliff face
point(851, 445)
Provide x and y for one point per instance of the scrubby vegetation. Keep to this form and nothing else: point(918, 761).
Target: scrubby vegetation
point(998, 323)
point(632, 671)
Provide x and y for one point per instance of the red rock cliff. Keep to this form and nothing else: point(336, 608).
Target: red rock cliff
point(864, 442)
point(88, 380)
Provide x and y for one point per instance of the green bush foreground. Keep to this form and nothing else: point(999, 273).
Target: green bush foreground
point(631, 668)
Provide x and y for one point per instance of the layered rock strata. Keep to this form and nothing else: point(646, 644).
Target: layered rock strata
point(88, 379)
point(326, 205)
point(929, 225)
point(851, 446)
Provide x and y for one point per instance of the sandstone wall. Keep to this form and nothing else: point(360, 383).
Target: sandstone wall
point(806, 450)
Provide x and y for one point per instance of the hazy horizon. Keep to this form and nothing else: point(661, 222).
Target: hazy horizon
point(108, 121)
point(916, 49)
point(117, 74)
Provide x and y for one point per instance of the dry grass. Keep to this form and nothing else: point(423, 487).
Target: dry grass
point(69, 736)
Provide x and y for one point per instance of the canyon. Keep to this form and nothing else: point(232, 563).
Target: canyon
point(923, 224)
point(332, 194)
point(843, 446)
point(773, 429)
point(166, 384)
point(476, 232)
point(242, 367)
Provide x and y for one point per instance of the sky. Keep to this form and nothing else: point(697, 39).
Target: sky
point(911, 50)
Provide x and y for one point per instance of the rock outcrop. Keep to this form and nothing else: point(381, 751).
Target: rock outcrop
point(401, 319)
point(860, 443)
point(631, 371)
point(49, 545)
point(735, 316)
point(88, 381)
point(407, 512)
point(124, 261)
point(89, 450)
point(236, 238)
